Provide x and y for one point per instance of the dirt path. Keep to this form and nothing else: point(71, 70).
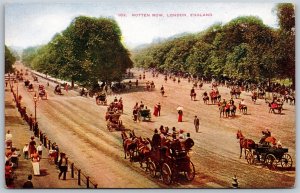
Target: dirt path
point(78, 126)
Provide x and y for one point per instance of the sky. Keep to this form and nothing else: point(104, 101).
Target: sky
point(31, 24)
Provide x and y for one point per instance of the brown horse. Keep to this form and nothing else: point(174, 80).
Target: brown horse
point(129, 144)
point(143, 151)
point(244, 143)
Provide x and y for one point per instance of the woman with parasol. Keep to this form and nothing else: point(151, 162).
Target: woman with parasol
point(180, 113)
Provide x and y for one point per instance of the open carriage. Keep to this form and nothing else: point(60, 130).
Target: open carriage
point(57, 90)
point(272, 157)
point(42, 92)
point(145, 114)
point(170, 163)
point(30, 87)
point(114, 122)
point(101, 99)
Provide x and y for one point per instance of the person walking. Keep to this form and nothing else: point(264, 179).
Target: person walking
point(155, 112)
point(8, 139)
point(196, 123)
point(32, 144)
point(63, 166)
point(28, 184)
point(40, 149)
point(25, 151)
point(158, 108)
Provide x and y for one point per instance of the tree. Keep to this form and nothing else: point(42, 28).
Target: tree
point(87, 51)
point(9, 60)
point(285, 48)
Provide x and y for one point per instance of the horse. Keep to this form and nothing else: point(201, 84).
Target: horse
point(205, 99)
point(232, 109)
point(244, 143)
point(243, 108)
point(143, 151)
point(129, 144)
point(193, 96)
point(254, 97)
point(221, 109)
point(273, 106)
point(213, 97)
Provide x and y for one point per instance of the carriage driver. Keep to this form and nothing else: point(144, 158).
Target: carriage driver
point(266, 133)
point(156, 140)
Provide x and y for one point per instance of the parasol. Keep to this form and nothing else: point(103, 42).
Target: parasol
point(179, 108)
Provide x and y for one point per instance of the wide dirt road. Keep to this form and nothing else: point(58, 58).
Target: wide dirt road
point(78, 126)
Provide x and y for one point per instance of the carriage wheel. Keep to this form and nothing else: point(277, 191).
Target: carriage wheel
point(286, 161)
point(271, 162)
point(152, 169)
point(190, 175)
point(166, 174)
point(249, 157)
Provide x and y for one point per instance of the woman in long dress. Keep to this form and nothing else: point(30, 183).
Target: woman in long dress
point(180, 113)
point(155, 112)
point(35, 163)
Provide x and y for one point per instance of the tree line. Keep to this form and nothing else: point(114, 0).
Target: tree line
point(244, 48)
point(10, 59)
point(87, 51)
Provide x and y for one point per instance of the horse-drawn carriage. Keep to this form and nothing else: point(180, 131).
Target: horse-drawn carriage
point(272, 157)
point(145, 114)
point(35, 78)
point(275, 106)
point(171, 161)
point(57, 90)
point(42, 92)
point(116, 106)
point(101, 99)
point(114, 122)
point(30, 87)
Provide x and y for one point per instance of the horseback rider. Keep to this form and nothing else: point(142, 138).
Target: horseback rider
point(141, 105)
point(231, 101)
point(192, 90)
point(162, 90)
point(223, 104)
point(243, 103)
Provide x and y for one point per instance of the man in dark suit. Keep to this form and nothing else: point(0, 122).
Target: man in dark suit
point(28, 184)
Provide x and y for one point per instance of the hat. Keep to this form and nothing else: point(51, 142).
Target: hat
point(32, 137)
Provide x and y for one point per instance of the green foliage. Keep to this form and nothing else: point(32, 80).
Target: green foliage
point(244, 48)
point(9, 60)
point(285, 47)
point(87, 51)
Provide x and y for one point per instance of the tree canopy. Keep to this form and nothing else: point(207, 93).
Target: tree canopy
point(87, 51)
point(9, 60)
point(244, 48)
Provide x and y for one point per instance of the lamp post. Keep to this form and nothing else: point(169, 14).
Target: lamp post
point(35, 100)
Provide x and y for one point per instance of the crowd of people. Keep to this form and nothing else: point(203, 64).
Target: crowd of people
point(172, 139)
